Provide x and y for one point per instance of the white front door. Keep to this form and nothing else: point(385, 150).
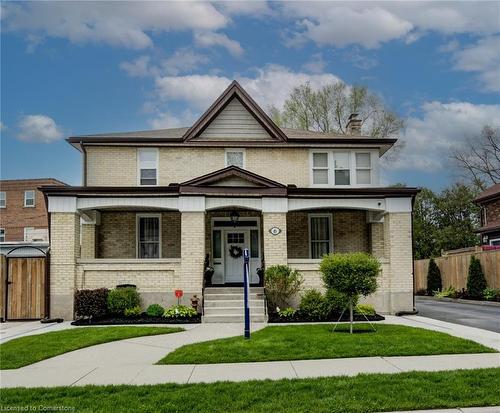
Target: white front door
point(236, 240)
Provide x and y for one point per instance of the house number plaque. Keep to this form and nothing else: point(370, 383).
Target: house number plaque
point(275, 230)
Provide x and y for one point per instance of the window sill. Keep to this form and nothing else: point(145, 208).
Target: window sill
point(152, 261)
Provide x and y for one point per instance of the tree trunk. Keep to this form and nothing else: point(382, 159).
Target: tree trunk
point(350, 315)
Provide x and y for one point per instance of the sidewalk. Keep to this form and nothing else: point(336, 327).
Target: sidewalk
point(132, 361)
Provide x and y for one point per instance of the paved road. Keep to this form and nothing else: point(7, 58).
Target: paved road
point(472, 315)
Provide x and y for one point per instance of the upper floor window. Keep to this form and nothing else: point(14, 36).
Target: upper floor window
point(320, 168)
point(235, 157)
point(28, 232)
point(2, 234)
point(363, 168)
point(3, 199)
point(29, 198)
point(147, 159)
point(341, 168)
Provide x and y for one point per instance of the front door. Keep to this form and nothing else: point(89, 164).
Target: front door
point(234, 243)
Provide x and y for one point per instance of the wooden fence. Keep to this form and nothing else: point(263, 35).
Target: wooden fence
point(454, 269)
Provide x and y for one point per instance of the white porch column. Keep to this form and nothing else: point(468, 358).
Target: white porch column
point(275, 232)
point(192, 244)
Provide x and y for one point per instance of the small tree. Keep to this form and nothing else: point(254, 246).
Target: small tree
point(353, 274)
point(281, 283)
point(476, 283)
point(434, 282)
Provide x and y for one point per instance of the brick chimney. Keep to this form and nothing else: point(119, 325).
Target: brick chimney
point(353, 126)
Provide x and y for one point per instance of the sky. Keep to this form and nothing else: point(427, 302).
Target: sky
point(72, 68)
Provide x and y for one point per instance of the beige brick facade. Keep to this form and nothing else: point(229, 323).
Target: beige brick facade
point(275, 248)
point(117, 166)
point(192, 250)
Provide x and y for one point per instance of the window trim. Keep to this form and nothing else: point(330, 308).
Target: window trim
point(4, 198)
point(493, 240)
point(328, 215)
point(328, 168)
point(24, 232)
point(349, 168)
point(4, 233)
point(137, 239)
point(242, 150)
point(157, 177)
point(363, 168)
point(34, 198)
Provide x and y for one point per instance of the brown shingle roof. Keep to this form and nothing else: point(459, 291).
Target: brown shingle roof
point(491, 193)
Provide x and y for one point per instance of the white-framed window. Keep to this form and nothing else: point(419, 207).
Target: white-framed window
point(2, 234)
point(235, 157)
point(27, 232)
point(3, 199)
point(341, 168)
point(320, 169)
point(148, 235)
point(320, 235)
point(147, 166)
point(495, 241)
point(363, 168)
point(29, 198)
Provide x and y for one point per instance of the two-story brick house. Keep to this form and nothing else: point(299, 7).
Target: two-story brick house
point(154, 203)
point(489, 201)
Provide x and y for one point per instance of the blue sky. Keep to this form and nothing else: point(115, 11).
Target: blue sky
point(77, 68)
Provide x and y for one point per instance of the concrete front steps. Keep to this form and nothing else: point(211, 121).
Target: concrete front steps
point(226, 305)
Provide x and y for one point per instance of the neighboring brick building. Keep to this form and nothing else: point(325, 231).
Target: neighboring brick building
point(155, 204)
point(489, 201)
point(23, 214)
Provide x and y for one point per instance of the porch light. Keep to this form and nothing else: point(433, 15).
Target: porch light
point(234, 217)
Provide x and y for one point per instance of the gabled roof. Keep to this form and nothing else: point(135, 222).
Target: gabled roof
point(232, 172)
point(234, 90)
point(489, 194)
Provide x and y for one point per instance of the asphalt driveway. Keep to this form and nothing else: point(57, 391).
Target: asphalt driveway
point(473, 315)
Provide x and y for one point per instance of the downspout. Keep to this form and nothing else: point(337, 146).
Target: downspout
point(413, 249)
point(47, 261)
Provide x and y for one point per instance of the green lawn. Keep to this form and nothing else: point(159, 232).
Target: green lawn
point(300, 342)
point(363, 393)
point(22, 351)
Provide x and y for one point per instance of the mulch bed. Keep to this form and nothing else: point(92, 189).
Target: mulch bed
point(298, 318)
point(142, 319)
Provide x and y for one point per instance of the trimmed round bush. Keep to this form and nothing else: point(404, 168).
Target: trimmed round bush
point(337, 302)
point(91, 303)
point(155, 310)
point(313, 305)
point(120, 299)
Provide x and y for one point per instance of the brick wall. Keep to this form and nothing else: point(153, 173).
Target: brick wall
point(275, 248)
point(492, 212)
point(117, 234)
point(117, 166)
point(192, 248)
point(350, 232)
point(15, 216)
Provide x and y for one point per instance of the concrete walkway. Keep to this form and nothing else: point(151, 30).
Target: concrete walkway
point(131, 361)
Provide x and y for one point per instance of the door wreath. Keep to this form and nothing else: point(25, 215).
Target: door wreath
point(235, 251)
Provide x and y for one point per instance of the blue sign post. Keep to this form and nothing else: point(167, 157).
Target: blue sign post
point(246, 289)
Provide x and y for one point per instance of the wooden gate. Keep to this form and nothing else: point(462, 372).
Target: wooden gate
point(26, 288)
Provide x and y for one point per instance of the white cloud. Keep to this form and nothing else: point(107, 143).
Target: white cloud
point(359, 60)
point(39, 128)
point(210, 39)
point(183, 60)
point(124, 24)
point(482, 57)
point(165, 120)
point(316, 64)
point(430, 137)
point(371, 23)
point(270, 86)
point(253, 8)
point(139, 67)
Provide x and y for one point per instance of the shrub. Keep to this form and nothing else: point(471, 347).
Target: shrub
point(450, 292)
point(281, 284)
point(491, 294)
point(155, 310)
point(180, 311)
point(287, 313)
point(133, 311)
point(476, 283)
point(352, 274)
point(434, 282)
point(120, 299)
point(366, 309)
point(337, 302)
point(313, 305)
point(91, 303)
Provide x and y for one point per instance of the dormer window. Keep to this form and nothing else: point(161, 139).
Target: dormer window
point(147, 160)
point(235, 157)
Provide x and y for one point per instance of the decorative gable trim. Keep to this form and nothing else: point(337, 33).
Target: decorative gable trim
point(232, 171)
point(234, 91)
